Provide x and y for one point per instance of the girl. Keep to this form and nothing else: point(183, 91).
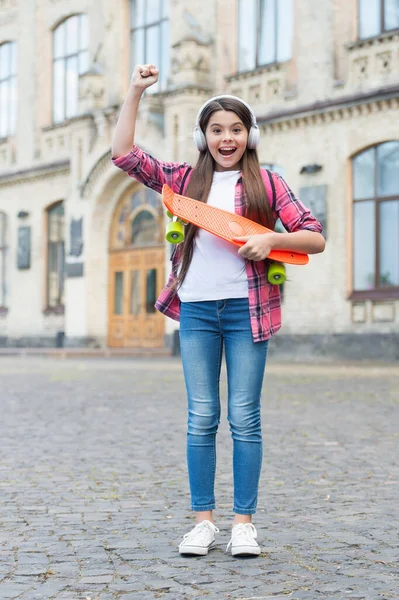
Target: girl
point(220, 295)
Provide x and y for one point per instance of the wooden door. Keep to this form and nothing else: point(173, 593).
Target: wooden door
point(136, 278)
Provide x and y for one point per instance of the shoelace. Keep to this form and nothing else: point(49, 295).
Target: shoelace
point(246, 531)
point(200, 529)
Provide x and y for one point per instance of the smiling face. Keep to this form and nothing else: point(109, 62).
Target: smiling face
point(226, 136)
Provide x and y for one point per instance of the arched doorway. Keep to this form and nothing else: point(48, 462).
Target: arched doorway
point(136, 270)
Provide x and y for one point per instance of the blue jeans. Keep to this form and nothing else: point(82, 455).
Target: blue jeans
point(205, 329)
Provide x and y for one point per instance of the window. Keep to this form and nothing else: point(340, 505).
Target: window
point(56, 256)
point(3, 260)
point(138, 220)
point(265, 30)
point(377, 16)
point(150, 37)
point(70, 59)
point(376, 219)
point(8, 89)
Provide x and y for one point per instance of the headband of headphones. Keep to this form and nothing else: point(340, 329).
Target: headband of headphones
point(199, 137)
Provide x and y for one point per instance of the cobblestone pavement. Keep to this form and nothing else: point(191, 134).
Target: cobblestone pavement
point(94, 494)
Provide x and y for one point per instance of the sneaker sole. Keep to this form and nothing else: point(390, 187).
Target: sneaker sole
point(197, 550)
point(245, 551)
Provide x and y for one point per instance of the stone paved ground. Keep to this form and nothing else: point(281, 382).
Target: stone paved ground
point(94, 499)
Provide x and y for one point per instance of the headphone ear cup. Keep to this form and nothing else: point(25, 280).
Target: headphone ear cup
point(199, 139)
point(253, 137)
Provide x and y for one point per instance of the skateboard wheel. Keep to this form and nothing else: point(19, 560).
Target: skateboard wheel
point(169, 214)
point(174, 232)
point(276, 274)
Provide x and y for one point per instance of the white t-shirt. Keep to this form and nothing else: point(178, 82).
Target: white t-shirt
point(216, 271)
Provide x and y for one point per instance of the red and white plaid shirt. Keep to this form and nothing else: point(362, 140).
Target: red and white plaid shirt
point(264, 298)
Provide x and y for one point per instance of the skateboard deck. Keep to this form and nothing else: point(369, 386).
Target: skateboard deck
point(223, 224)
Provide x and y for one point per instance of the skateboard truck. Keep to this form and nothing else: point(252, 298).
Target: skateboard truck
point(174, 229)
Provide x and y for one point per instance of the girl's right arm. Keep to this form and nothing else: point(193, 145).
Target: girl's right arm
point(127, 156)
point(143, 77)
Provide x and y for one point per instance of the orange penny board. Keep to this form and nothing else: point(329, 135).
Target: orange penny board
point(223, 224)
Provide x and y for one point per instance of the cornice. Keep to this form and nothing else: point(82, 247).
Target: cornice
point(335, 109)
point(37, 172)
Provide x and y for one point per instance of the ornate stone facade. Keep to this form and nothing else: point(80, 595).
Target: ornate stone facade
point(336, 96)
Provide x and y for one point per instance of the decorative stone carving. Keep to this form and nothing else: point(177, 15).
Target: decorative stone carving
point(91, 90)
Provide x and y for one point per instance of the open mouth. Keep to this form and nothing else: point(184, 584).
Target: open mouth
point(227, 151)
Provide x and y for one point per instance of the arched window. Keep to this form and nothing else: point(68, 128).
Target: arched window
point(138, 220)
point(3, 260)
point(55, 255)
point(8, 88)
point(149, 27)
point(70, 59)
point(376, 220)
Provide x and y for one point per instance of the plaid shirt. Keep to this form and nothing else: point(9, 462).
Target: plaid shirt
point(264, 298)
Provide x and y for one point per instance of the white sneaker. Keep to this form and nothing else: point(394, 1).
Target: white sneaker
point(243, 540)
point(200, 539)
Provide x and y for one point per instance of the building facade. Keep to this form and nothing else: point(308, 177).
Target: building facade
point(82, 250)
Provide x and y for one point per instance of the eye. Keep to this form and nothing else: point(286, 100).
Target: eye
point(215, 130)
point(237, 130)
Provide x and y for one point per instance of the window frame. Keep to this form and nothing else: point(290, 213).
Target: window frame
point(257, 37)
point(162, 84)
point(67, 55)
point(7, 81)
point(378, 292)
point(382, 29)
point(3, 262)
point(59, 305)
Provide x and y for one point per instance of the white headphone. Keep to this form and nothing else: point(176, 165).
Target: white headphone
point(253, 134)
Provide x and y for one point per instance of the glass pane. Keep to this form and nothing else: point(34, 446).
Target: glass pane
point(138, 56)
point(267, 39)
point(59, 91)
point(151, 198)
point(151, 291)
point(72, 87)
point(56, 224)
point(165, 8)
point(72, 35)
point(135, 293)
point(165, 58)
point(388, 169)
point(61, 272)
point(152, 12)
point(285, 29)
point(13, 59)
point(137, 13)
point(369, 18)
point(153, 51)
point(135, 200)
point(3, 109)
point(152, 46)
point(144, 229)
point(83, 62)
point(5, 60)
point(118, 294)
point(59, 41)
point(2, 278)
point(389, 244)
point(13, 105)
point(391, 15)
point(246, 35)
point(364, 175)
point(83, 33)
point(364, 246)
point(2, 229)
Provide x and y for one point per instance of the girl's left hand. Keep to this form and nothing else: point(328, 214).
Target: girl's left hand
point(256, 247)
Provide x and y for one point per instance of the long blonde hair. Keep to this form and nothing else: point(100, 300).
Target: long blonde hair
point(257, 205)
